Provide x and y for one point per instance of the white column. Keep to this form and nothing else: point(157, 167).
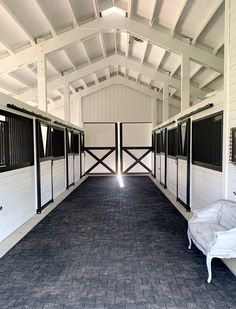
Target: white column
point(42, 83)
point(165, 108)
point(67, 102)
point(185, 83)
point(80, 116)
point(154, 111)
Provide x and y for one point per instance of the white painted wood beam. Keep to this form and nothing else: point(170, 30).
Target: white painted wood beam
point(179, 13)
point(165, 102)
point(17, 22)
point(161, 59)
point(7, 90)
point(130, 8)
point(115, 40)
point(217, 48)
point(74, 19)
point(20, 80)
point(8, 48)
point(209, 80)
point(111, 60)
point(54, 67)
point(185, 83)
point(108, 72)
point(137, 78)
point(42, 83)
point(85, 52)
point(205, 22)
point(144, 51)
point(67, 102)
point(96, 8)
point(101, 38)
point(95, 78)
point(69, 59)
point(113, 21)
point(152, 19)
point(83, 83)
point(43, 12)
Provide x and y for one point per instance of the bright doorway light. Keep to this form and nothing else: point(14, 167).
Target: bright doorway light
point(120, 180)
point(113, 9)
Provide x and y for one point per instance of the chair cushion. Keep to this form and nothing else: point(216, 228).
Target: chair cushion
point(228, 216)
point(203, 232)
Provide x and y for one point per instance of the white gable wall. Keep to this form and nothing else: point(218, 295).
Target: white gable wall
point(117, 103)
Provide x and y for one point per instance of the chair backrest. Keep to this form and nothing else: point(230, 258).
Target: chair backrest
point(228, 215)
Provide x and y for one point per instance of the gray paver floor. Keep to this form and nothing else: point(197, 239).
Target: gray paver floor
point(112, 248)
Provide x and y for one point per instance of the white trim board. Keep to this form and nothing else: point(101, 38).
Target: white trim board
point(8, 243)
point(230, 263)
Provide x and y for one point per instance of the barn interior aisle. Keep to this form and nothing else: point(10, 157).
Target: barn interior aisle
point(112, 245)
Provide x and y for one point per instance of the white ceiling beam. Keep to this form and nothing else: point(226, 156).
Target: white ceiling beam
point(20, 81)
point(178, 15)
point(218, 47)
point(101, 38)
point(43, 11)
point(69, 59)
point(8, 48)
point(83, 83)
point(74, 19)
point(54, 67)
point(130, 8)
point(7, 89)
point(115, 41)
point(85, 52)
point(112, 60)
point(17, 22)
point(137, 78)
point(209, 80)
point(109, 22)
point(152, 19)
point(108, 72)
point(95, 78)
point(161, 59)
point(205, 22)
point(96, 8)
point(144, 51)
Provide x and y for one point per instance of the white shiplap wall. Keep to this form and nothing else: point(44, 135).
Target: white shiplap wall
point(231, 96)
point(117, 103)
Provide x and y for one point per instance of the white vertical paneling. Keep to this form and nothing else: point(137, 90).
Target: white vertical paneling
point(71, 169)
point(207, 186)
point(77, 167)
point(158, 167)
point(46, 181)
point(17, 197)
point(58, 177)
point(231, 94)
point(117, 103)
point(182, 180)
point(163, 168)
point(172, 175)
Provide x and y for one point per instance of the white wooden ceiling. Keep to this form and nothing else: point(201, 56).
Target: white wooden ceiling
point(117, 51)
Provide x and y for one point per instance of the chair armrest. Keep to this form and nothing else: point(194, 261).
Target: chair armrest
point(209, 214)
point(224, 244)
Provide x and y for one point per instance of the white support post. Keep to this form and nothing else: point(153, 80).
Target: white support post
point(155, 111)
point(42, 83)
point(165, 109)
point(80, 116)
point(185, 83)
point(67, 102)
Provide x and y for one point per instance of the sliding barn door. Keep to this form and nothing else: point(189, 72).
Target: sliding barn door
point(135, 147)
point(183, 164)
point(44, 164)
point(163, 157)
point(101, 148)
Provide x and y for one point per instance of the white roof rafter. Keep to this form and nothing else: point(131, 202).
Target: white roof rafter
point(205, 22)
point(115, 21)
point(152, 19)
point(101, 64)
point(144, 52)
point(179, 13)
